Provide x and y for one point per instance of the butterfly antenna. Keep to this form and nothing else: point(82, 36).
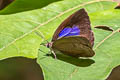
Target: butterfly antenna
point(41, 35)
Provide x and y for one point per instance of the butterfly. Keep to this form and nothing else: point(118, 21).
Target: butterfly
point(74, 36)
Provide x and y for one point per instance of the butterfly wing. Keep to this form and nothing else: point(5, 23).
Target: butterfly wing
point(75, 46)
point(79, 19)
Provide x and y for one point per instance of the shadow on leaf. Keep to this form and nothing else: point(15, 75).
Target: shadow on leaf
point(72, 60)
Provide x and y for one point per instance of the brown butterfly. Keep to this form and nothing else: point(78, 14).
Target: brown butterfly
point(74, 36)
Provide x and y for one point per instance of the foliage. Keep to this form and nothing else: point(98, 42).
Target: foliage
point(18, 37)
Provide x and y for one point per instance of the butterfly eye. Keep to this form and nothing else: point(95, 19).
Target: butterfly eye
point(48, 45)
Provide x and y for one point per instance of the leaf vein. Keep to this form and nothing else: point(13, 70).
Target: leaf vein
point(50, 21)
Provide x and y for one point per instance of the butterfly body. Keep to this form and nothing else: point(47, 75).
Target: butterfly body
point(74, 36)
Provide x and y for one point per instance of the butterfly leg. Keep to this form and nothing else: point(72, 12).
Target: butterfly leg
point(53, 53)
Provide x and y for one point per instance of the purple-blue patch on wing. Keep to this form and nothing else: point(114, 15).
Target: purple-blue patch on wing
point(74, 31)
point(64, 32)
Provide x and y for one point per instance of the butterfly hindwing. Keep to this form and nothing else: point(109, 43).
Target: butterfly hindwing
point(75, 46)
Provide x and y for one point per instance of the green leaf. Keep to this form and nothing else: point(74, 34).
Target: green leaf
point(18, 38)
point(106, 48)
point(17, 35)
point(25, 5)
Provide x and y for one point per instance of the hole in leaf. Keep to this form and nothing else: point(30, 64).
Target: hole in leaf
point(115, 74)
point(104, 28)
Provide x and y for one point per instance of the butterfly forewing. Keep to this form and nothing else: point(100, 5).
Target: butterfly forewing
point(79, 19)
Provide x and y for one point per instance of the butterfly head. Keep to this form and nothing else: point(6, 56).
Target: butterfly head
point(48, 45)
